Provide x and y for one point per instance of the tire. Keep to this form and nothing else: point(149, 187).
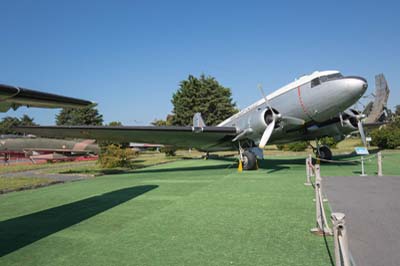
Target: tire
point(249, 161)
point(324, 153)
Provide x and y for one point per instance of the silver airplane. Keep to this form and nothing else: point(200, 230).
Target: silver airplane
point(311, 107)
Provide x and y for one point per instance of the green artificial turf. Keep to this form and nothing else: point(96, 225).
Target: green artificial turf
point(190, 212)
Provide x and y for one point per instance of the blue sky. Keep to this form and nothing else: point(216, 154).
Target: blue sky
point(129, 56)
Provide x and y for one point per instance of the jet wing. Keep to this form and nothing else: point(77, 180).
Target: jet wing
point(13, 97)
point(41, 150)
point(202, 138)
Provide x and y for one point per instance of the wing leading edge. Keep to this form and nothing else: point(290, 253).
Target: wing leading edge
point(13, 97)
point(206, 138)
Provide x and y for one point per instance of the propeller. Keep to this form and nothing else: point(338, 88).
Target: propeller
point(270, 127)
point(358, 116)
point(361, 128)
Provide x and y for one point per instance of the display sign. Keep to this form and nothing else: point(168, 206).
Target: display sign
point(361, 150)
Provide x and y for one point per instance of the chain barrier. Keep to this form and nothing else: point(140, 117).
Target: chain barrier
point(322, 227)
point(346, 161)
point(342, 252)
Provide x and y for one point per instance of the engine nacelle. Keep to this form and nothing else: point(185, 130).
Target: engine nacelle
point(259, 121)
point(350, 119)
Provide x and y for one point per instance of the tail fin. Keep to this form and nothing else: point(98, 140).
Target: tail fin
point(198, 120)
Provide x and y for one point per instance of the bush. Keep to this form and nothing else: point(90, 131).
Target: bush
point(329, 141)
point(113, 155)
point(169, 150)
point(281, 147)
point(386, 138)
point(294, 146)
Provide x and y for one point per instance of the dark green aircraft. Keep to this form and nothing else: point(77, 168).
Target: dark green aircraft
point(12, 146)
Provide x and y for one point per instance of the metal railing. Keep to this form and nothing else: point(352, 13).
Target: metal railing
point(322, 227)
point(339, 232)
point(342, 254)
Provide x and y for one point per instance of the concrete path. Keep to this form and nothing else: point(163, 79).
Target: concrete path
point(372, 208)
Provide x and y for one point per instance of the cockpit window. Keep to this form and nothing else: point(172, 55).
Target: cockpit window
point(330, 77)
point(322, 79)
point(315, 82)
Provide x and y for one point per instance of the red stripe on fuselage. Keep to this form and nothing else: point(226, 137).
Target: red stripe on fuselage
point(302, 103)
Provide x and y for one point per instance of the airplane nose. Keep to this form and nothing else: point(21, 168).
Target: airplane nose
point(357, 85)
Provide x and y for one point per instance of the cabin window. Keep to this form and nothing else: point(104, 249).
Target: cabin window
point(315, 82)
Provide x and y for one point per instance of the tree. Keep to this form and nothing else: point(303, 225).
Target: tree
point(27, 121)
point(79, 116)
point(114, 124)
point(397, 110)
point(8, 122)
point(161, 122)
point(204, 95)
point(388, 137)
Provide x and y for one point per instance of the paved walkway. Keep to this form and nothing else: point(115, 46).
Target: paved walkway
point(372, 208)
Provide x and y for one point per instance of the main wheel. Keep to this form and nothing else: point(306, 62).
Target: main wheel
point(324, 153)
point(249, 160)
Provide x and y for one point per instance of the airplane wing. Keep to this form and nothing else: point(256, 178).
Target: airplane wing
point(206, 138)
point(13, 97)
point(42, 150)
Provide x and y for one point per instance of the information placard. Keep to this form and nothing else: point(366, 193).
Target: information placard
point(361, 150)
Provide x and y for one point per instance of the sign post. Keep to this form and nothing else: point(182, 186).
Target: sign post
point(362, 151)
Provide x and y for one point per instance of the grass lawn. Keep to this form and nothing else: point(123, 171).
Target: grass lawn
point(190, 212)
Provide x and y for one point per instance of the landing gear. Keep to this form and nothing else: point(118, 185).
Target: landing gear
point(249, 160)
point(324, 152)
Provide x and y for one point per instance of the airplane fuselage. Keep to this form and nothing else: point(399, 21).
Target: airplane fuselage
point(315, 98)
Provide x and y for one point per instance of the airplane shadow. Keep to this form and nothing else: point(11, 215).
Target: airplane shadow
point(273, 164)
point(21, 231)
point(192, 168)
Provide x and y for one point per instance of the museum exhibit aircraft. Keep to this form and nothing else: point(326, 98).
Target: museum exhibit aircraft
point(16, 146)
point(12, 97)
point(311, 107)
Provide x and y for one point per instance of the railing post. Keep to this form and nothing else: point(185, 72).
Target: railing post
point(342, 257)
point(308, 173)
point(310, 160)
point(321, 222)
point(362, 167)
point(380, 164)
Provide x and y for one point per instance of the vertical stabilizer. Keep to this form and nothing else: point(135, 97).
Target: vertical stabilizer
point(198, 120)
point(381, 97)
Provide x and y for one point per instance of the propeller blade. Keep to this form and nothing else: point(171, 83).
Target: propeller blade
point(267, 134)
point(341, 118)
point(266, 99)
point(362, 134)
